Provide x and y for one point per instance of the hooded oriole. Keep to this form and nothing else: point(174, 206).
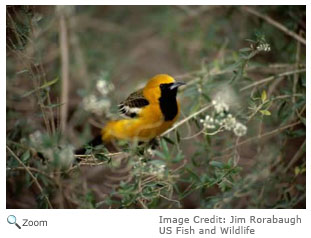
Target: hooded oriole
point(150, 111)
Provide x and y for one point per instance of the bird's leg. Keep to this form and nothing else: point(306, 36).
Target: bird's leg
point(152, 146)
point(154, 143)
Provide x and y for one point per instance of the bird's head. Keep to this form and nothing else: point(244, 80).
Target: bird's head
point(161, 85)
point(159, 79)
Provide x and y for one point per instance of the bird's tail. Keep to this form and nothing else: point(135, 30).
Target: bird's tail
point(96, 141)
point(105, 138)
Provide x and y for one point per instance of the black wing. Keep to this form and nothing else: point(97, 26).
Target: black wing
point(133, 104)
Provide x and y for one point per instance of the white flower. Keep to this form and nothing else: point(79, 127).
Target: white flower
point(208, 122)
point(151, 152)
point(36, 138)
point(229, 122)
point(104, 87)
point(157, 170)
point(220, 106)
point(199, 88)
point(264, 47)
point(239, 129)
point(92, 104)
point(222, 119)
point(89, 101)
point(66, 156)
point(103, 104)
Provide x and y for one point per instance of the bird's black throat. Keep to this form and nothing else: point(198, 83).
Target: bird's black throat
point(168, 102)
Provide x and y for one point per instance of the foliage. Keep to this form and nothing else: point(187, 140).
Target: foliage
point(241, 140)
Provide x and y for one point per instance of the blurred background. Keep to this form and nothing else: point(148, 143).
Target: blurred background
point(68, 67)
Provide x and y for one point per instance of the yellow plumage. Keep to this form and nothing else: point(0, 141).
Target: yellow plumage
point(150, 121)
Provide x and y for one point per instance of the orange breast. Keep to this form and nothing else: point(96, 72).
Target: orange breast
point(149, 125)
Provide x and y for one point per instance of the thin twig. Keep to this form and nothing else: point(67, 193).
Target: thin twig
point(31, 169)
point(15, 30)
point(142, 203)
point(49, 101)
point(41, 74)
point(170, 199)
point(192, 136)
point(31, 175)
point(27, 61)
point(265, 80)
point(302, 110)
point(264, 135)
point(288, 96)
point(63, 41)
point(297, 155)
point(296, 76)
point(105, 154)
point(82, 70)
point(186, 119)
point(275, 24)
point(196, 76)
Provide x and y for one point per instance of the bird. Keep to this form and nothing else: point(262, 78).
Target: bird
point(148, 113)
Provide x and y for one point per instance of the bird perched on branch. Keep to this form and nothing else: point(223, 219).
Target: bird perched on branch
point(150, 111)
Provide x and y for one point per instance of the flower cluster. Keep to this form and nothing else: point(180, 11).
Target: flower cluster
point(157, 170)
point(154, 168)
point(36, 137)
point(63, 156)
point(208, 122)
point(222, 119)
point(220, 107)
point(104, 87)
point(264, 47)
point(99, 105)
point(240, 129)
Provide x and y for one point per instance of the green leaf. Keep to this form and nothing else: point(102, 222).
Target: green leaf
point(297, 170)
point(101, 157)
point(168, 140)
point(193, 174)
point(302, 119)
point(245, 49)
point(54, 105)
point(47, 84)
point(232, 67)
point(165, 147)
point(263, 96)
point(177, 136)
point(22, 71)
point(25, 157)
point(160, 154)
point(252, 54)
point(265, 112)
point(216, 164)
point(250, 40)
point(179, 157)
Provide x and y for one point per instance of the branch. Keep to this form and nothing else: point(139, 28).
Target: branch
point(31, 169)
point(297, 155)
point(31, 175)
point(186, 119)
point(275, 24)
point(63, 41)
point(265, 134)
point(296, 76)
point(265, 80)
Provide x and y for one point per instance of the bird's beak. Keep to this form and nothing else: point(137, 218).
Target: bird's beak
point(176, 85)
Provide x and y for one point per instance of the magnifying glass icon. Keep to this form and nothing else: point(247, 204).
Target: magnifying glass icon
point(12, 220)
